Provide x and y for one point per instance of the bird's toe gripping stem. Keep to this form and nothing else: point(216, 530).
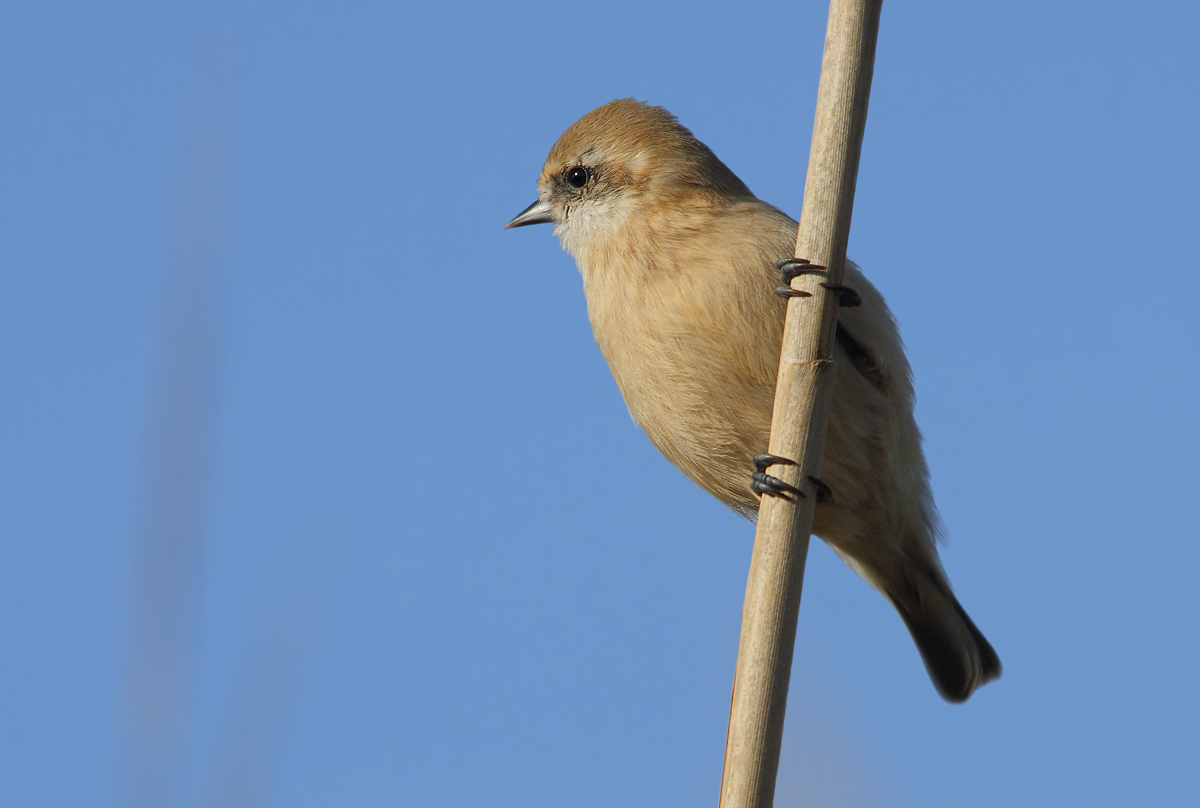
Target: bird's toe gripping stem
point(824, 492)
point(847, 297)
point(763, 483)
point(791, 268)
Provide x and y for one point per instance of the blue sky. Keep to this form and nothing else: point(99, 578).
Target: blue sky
point(253, 285)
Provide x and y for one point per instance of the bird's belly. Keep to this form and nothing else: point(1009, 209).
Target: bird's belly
point(698, 408)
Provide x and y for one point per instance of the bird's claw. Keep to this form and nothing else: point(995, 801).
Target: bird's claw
point(765, 460)
point(787, 291)
point(847, 297)
point(824, 492)
point(763, 483)
point(791, 268)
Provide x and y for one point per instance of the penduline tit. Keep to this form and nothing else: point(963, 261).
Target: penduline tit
point(679, 265)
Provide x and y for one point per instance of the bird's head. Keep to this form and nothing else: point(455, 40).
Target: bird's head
point(624, 163)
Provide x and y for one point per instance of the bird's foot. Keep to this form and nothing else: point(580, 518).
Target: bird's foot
point(791, 268)
point(847, 297)
point(763, 483)
point(824, 492)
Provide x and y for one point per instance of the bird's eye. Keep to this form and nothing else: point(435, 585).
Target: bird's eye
point(578, 177)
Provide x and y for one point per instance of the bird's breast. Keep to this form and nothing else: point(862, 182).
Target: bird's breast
point(694, 355)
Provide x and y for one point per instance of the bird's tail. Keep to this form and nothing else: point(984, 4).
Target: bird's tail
point(956, 654)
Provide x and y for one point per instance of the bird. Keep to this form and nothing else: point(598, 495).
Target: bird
point(679, 266)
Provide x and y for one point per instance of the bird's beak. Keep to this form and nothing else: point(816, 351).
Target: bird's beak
point(537, 213)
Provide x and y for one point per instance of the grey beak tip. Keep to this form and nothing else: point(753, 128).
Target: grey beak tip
point(537, 213)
